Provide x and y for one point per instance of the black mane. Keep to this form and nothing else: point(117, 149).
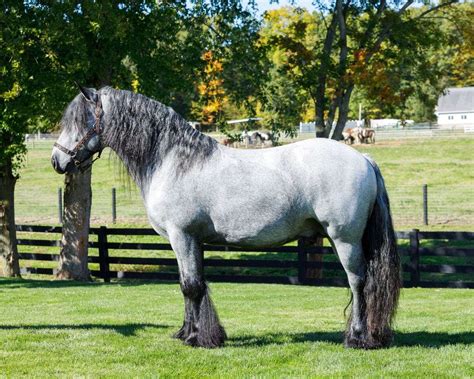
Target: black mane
point(143, 132)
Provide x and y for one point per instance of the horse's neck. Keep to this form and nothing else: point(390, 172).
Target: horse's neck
point(144, 149)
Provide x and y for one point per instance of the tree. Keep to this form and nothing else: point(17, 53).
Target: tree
point(289, 34)
point(283, 103)
point(211, 91)
point(45, 47)
point(457, 49)
point(405, 81)
point(401, 69)
point(348, 37)
point(21, 83)
point(230, 30)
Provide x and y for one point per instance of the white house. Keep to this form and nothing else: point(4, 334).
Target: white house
point(456, 108)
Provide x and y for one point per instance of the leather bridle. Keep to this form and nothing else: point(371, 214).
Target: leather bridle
point(94, 130)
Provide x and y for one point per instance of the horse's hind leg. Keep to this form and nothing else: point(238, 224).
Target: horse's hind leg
point(201, 325)
point(353, 261)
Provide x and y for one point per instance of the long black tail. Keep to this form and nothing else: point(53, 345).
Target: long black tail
point(382, 280)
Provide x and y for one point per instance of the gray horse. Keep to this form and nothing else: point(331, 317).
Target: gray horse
point(197, 191)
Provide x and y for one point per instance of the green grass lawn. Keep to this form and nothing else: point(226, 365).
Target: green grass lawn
point(65, 329)
point(446, 165)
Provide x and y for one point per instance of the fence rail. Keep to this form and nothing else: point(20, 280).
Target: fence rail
point(422, 266)
point(399, 133)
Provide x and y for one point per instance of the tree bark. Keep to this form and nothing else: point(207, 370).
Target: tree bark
point(320, 95)
point(75, 238)
point(9, 265)
point(343, 113)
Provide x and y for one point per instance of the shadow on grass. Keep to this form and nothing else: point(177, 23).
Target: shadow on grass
point(123, 329)
point(7, 283)
point(402, 339)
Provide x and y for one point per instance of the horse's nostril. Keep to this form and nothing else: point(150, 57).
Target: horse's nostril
point(56, 166)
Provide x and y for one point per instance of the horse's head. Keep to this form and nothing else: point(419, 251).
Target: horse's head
point(80, 135)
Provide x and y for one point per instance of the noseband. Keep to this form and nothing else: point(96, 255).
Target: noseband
point(94, 130)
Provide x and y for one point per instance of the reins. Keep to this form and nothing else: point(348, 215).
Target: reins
point(90, 133)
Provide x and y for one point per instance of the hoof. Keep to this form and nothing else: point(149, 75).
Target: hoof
point(183, 333)
point(195, 339)
point(180, 334)
point(192, 340)
point(362, 341)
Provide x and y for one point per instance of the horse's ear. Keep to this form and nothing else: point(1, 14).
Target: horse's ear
point(89, 94)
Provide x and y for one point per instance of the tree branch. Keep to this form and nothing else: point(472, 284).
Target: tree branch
point(439, 6)
point(386, 32)
point(387, 29)
point(372, 24)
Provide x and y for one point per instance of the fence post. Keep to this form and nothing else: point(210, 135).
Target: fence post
point(425, 204)
point(301, 261)
point(60, 205)
point(414, 258)
point(103, 254)
point(114, 205)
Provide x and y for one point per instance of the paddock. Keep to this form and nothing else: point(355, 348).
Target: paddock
point(123, 330)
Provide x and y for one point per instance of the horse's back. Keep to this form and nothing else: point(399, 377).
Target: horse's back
point(316, 167)
point(324, 179)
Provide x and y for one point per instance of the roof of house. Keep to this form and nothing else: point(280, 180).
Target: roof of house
point(456, 100)
point(246, 120)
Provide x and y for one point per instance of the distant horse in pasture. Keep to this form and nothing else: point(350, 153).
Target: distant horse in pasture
point(267, 138)
point(364, 135)
point(348, 136)
point(255, 138)
point(229, 141)
point(197, 191)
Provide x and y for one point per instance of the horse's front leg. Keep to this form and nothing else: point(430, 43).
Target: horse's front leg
point(201, 325)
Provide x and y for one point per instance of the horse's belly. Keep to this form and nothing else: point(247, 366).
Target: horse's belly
point(272, 235)
point(261, 227)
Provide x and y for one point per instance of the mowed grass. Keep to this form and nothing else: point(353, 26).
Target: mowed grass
point(446, 165)
point(66, 329)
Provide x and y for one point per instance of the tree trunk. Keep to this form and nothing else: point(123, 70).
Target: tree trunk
point(319, 119)
point(343, 113)
point(75, 238)
point(320, 95)
point(9, 259)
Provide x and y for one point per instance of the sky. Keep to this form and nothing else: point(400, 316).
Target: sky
point(264, 5)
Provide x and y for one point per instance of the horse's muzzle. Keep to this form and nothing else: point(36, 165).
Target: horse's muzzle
point(70, 167)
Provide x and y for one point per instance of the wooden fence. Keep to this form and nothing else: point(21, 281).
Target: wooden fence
point(434, 266)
